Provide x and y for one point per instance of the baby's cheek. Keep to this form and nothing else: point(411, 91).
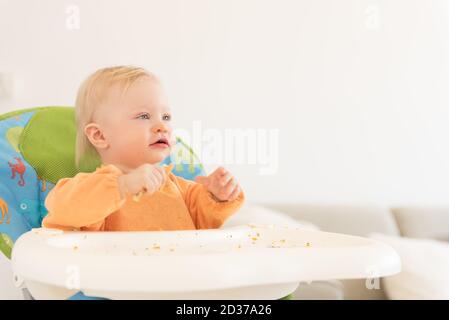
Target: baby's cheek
point(127, 144)
point(128, 141)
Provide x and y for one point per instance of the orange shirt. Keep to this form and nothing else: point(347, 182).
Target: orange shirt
point(92, 202)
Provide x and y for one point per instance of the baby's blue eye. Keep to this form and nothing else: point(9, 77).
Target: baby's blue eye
point(144, 116)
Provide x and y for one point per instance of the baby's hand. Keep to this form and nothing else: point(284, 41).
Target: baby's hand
point(146, 178)
point(221, 184)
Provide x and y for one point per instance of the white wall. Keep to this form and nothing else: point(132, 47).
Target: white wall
point(357, 88)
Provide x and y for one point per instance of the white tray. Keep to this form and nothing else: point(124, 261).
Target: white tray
point(244, 262)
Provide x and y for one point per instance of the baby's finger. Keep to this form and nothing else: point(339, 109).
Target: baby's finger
point(138, 195)
point(219, 171)
point(234, 195)
point(215, 183)
point(223, 180)
point(159, 173)
point(163, 175)
point(157, 177)
point(150, 184)
point(161, 170)
point(150, 172)
point(228, 188)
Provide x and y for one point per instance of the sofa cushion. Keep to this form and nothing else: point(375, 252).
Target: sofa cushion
point(423, 222)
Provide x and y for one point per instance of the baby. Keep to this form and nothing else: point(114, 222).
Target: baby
point(122, 114)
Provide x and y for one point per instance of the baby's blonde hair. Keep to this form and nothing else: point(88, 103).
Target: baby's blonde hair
point(90, 95)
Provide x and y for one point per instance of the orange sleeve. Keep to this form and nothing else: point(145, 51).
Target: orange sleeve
point(84, 201)
point(206, 212)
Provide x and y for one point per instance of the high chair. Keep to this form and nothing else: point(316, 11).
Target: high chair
point(242, 262)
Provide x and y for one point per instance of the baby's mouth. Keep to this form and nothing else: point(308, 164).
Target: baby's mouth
point(161, 143)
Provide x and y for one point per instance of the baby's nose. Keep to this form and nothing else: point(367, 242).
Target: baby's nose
point(161, 127)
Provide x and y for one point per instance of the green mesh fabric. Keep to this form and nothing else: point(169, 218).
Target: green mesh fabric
point(6, 245)
point(48, 144)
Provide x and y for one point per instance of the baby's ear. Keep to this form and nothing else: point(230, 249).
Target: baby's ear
point(95, 135)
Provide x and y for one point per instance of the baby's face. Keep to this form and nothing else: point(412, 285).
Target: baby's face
point(136, 126)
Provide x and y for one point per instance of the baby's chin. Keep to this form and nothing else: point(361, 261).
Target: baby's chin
point(156, 156)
